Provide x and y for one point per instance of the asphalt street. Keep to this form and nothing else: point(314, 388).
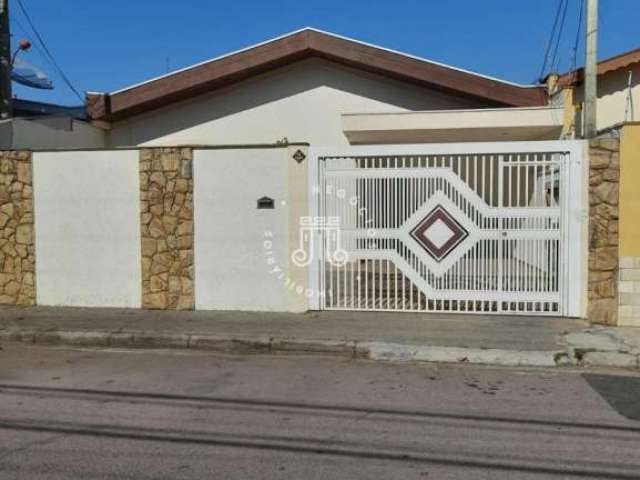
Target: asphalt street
point(67, 414)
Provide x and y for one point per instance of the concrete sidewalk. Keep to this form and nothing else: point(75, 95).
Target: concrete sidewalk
point(484, 339)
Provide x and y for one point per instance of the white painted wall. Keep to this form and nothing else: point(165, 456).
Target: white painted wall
point(231, 261)
point(302, 102)
point(87, 228)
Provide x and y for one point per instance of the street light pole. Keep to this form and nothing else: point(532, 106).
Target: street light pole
point(6, 108)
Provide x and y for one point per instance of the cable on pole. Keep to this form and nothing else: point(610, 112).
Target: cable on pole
point(574, 54)
point(26, 33)
point(553, 65)
point(550, 41)
point(48, 52)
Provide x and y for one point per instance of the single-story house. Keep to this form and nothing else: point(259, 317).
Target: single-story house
point(304, 86)
point(316, 172)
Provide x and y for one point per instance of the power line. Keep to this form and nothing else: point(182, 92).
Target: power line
point(553, 65)
point(6, 105)
point(16, 20)
point(48, 52)
point(574, 56)
point(550, 41)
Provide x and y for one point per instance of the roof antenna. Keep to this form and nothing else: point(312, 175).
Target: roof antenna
point(629, 106)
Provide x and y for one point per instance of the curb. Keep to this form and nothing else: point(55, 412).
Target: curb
point(378, 351)
point(435, 354)
point(212, 343)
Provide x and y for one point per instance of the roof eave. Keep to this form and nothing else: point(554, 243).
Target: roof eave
point(611, 64)
point(226, 70)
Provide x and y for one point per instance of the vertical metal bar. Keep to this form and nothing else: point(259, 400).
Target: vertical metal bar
point(395, 280)
point(375, 214)
point(388, 243)
point(330, 212)
point(321, 234)
point(412, 196)
point(500, 266)
point(379, 214)
point(404, 217)
point(474, 251)
point(366, 245)
point(492, 243)
point(352, 247)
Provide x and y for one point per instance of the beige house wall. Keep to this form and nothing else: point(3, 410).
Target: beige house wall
point(630, 225)
point(87, 230)
point(613, 93)
point(297, 160)
point(302, 102)
point(242, 252)
point(447, 126)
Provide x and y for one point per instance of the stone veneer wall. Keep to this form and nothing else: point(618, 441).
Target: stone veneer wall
point(604, 179)
point(17, 253)
point(166, 221)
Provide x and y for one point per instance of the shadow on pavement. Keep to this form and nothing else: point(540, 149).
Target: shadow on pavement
point(61, 392)
point(587, 469)
point(320, 446)
point(622, 393)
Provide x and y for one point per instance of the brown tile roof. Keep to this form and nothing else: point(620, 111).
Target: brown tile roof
point(611, 64)
point(216, 73)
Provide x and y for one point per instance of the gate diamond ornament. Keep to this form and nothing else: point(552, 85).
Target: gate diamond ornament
point(439, 233)
point(438, 228)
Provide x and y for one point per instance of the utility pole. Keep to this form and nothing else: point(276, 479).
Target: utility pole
point(591, 70)
point(6, 108)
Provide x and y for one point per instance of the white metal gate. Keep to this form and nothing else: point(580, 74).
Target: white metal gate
point(482, 228)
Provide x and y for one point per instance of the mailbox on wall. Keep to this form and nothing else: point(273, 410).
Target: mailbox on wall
point(265, 203)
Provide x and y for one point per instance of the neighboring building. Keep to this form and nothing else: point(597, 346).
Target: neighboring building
point(31, 109)
point(41, 125)
point(618, 93)
point(613, 185)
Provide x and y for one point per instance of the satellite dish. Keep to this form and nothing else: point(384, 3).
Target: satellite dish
point(26, 74)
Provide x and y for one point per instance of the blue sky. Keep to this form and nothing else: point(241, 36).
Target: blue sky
point(103, 46)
